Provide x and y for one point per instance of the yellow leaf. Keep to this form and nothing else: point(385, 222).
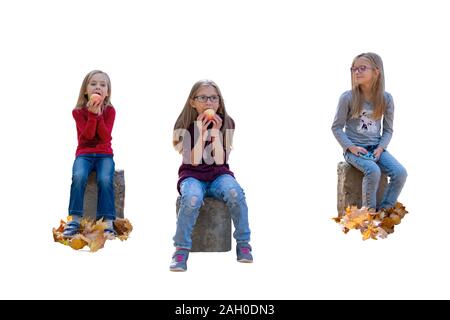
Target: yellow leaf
point(370, 232)
point(77, 243)
point(367, 234)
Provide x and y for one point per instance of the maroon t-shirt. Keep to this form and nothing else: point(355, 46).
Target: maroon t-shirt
point(203, 171)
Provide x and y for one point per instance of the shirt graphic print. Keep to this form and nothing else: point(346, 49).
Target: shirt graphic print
point(366, 123)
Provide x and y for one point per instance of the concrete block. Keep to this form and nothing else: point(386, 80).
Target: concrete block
point(349, 187)
point(212, 232)
point(90, 195)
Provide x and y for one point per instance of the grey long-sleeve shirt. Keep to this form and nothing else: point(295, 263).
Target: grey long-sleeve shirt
point(364, 130)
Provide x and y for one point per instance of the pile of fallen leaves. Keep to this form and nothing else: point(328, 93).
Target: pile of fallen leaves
point(91, 233)
point(373, 225)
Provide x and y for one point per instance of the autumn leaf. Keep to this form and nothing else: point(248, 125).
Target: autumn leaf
point(337, 219)
point(93, 233)
point(94, 240)
point(57, 232)
point(355, 218)
point(77, 242)
point(370, 233)
point(387, 224)
point(400, 210)
point(381, 233)
point(395, 218)
point(123, 228)
point(62, 224)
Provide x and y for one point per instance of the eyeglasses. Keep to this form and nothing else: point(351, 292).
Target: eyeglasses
point(205, 98)
point(360, 69)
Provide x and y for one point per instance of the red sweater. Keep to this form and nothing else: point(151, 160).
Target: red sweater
point(94, 132)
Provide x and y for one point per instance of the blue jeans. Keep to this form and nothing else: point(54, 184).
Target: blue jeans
point(104, 166)
point(372, 170)
point(224, 188)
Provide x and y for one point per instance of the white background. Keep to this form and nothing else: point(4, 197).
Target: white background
point(281, 66)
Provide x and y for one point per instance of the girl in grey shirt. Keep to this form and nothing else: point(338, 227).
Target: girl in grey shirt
point(363, 126)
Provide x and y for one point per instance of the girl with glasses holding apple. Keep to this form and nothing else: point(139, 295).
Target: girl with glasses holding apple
point(203, 134)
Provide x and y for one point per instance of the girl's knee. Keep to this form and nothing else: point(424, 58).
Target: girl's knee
point(105, 181)
point(79, 177)
point(401, 173)
point(373, 171)
point(234, 195)
point(192, 200)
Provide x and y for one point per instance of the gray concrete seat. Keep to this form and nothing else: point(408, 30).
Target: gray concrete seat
point(349, 187)
point(90, 195)
point(212, 231)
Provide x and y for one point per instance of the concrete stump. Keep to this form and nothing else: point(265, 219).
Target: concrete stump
point(349, 188)
point(212, 231)
point(90, 195)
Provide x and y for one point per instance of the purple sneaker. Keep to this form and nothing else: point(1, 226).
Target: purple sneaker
point(179, 260)
point(244, 252)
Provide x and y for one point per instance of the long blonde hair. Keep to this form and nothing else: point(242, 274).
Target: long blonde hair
point(189, 114)
point(83, 98)
point(377, 88)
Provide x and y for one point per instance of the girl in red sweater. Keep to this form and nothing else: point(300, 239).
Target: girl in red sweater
point(94, 117)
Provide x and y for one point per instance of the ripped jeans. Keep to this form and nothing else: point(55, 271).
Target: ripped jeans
point(224, 188)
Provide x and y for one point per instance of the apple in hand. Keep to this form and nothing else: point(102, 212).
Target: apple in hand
point(209, 113)
point(95, 98)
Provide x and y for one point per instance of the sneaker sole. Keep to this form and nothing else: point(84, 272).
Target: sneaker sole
point(245, 261)
point(69, 237)
point(177, 270)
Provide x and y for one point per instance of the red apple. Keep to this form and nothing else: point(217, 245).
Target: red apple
point(209, 113)
point(95, 98)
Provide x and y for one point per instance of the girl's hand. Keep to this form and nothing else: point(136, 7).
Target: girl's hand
point(378, 151)
point(95, 110)
point(217, 122)
point(95, 106)
point(92, 109)
point(356, 150)
point(204, 122)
